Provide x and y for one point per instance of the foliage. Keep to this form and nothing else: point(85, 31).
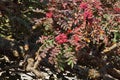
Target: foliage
point(78, 24)
point(71, 32)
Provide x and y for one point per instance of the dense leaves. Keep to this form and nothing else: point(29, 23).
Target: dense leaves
point(66, 33)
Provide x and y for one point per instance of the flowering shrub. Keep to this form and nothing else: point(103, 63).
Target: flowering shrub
point(83, 5)
point(71, 26)
point(61, 38)
point(72, 33)
point(78, 27)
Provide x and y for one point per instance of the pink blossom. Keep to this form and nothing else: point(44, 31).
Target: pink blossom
point(49, 14)
point(61, 38)
point(88, 15)
point(76, 38)
point(83, 5)
point(117, 10)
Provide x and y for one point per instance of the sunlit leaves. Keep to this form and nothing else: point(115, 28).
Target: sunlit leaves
point(73, 27)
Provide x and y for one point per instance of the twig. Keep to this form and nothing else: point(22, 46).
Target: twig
point(114, 72)
point(5, 58)
point(111, 47)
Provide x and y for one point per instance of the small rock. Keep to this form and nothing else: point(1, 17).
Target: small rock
point(25, 76)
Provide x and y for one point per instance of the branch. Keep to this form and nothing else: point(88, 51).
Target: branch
point(114, 72)
point(107, 49)
point(32, 67)
point(5, 58)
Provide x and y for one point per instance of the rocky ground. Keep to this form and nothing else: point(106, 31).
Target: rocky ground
point(12, 70)
point(15, 73)
point(8, 72)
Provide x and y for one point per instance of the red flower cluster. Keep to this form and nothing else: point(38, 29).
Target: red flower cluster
point(83, 5)
point(88, 15)
point(117, 10)
point(61, 38)
point(76, 38)
point(49, 14)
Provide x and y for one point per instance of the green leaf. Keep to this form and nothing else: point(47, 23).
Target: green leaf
point(116, 36)
point(61, 68)
point(70, 62)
